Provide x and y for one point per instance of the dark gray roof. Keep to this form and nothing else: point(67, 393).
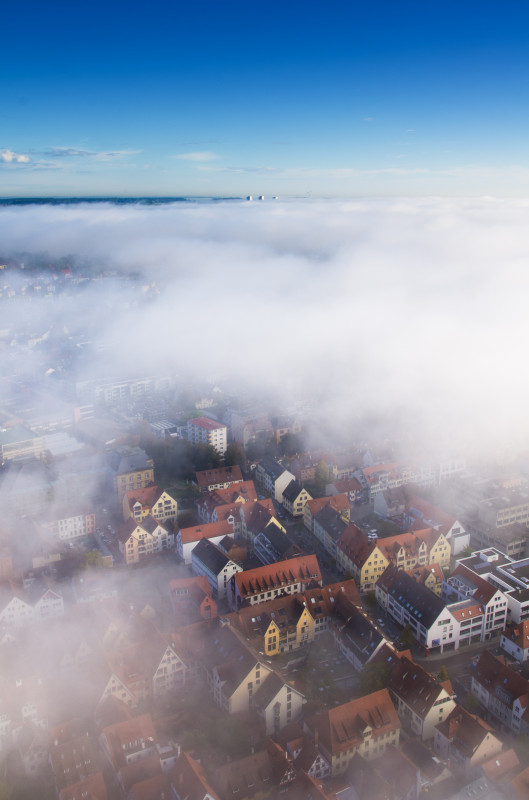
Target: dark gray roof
point(419, 601)
point(272, 467)
point(292, 491)
point(210, 555)
point(129, 459)
point(276, 537)
point(270, 687)
point(331, 522)
point(361, 636)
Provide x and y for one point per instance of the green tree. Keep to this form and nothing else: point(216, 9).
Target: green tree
point(442, 675)
point(321, 477)
point(373, 677)
point(406, 636)
point(235, 455)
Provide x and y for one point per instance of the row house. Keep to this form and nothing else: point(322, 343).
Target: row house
point(410, 603)
point(465, 741)
point(139, 503)
point(303, 753)
point(67, 525)
point(277, 626)
point(255, 775)
point(149, 669)
point(207, 504)
point(188, 538)
point(338, 502)
point(272, 478)
point(254, 516)
point(32, 601)
point(359, 555)
point(515, 641)
point(420, 514)
point(379, 477)
point(192, 599)
point(295, 497)
point(354, 634)
point(129, 741)
point(421, 701)
point(205, 431)
point(417, 548)
point(292, 621)
point(272, 544)
point(350, 487)
point(366, 726)
point(502, 691)
point(138, 541)
point(208, 559)
point(209, 480)
point(435, 623)
point(328, 527)
point(240, 683)
point(72, 756)
point(267, 582)
point(431, 576)
point(367, 558)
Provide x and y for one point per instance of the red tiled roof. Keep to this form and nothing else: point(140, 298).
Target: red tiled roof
point(206, 531)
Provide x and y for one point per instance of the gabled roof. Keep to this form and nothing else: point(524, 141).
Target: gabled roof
point(416, 687)
point(272, 468)
point(518, 634)
point(208, 530)
point(189, 779)
point(331, 522)
point(354, 543)
point(465, 731)
point(493, 673)
point(211, 477)
point(293, 491)
point(302, 569)
point(424, 605)
point(341, 728)
point(339, 502)
point(147, 497)
point(211, 556)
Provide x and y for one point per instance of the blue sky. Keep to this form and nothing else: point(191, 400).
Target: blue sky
point(322, 99)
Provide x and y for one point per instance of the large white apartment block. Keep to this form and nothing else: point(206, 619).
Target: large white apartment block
point(203, 430)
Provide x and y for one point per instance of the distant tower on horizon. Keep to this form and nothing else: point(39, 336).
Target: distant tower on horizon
point(249, 197)
point(261, 197)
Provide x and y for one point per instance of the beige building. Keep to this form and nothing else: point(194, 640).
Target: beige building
point(366, 726)
point(138, 541)
point(139, 503)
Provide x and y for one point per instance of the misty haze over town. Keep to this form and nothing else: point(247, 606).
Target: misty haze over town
point(264, 472)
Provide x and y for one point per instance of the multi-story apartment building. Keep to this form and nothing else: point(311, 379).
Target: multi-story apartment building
point(132, 469)
point(67, 525)
point(203, 430)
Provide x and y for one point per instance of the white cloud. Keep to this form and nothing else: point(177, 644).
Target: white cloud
point(203, 155)
point(375, 307)
point(9, 157)
point(101, 155)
